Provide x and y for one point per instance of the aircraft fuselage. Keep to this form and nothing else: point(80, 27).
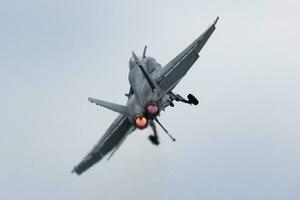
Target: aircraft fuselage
point(144, 103)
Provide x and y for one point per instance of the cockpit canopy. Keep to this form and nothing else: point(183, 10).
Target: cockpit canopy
point(149, 63)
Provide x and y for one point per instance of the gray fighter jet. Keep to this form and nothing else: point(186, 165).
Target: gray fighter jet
point(150, 93)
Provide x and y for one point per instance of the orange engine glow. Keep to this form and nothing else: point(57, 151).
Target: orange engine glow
point(141, 122)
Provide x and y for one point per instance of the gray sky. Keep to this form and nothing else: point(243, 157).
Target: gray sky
point(242, 142)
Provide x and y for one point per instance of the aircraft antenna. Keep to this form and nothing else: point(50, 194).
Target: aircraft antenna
point(144, 52)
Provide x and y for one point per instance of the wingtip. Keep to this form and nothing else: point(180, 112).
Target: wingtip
point(216, 20)
point(74, 171)
point(90, 99)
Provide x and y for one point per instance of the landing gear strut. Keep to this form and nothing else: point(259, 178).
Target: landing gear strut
point(154, 138)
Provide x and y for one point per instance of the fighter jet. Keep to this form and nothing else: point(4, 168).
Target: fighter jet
point(151, 91)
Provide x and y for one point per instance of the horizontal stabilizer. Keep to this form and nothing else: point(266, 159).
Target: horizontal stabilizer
point(112, 106)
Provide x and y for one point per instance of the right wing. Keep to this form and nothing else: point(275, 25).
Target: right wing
point(173, 72)
point(112, 138)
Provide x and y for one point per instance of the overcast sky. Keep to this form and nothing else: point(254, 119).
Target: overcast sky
point(241, 142)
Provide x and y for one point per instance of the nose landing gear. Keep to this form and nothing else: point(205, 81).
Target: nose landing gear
point(154, 139)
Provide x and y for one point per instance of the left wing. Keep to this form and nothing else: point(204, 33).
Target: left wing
point(112, 138)
point(178, 67)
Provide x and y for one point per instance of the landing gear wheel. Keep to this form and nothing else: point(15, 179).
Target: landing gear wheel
point(192, 99)
point(154, 140)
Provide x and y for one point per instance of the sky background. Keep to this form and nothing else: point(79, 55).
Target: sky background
point(241, 142)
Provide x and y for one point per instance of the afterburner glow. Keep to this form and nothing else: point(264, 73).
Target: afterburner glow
point(141, 122)
point(153, 109)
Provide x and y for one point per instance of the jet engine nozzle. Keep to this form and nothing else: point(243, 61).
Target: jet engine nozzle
point(152, 109)
point(141, 121)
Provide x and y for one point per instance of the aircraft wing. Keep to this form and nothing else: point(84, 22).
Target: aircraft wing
point(112, 138)
point(178, 67)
